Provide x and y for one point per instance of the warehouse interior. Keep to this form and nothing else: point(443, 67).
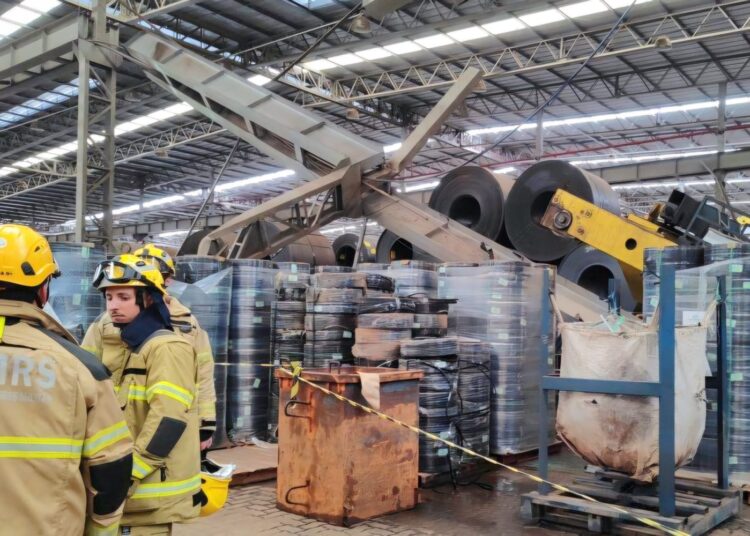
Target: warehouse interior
point(466, 266)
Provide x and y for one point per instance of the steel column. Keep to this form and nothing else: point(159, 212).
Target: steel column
point(82, 154)
point(722, 373)
point(544, 368)
point(667, 389)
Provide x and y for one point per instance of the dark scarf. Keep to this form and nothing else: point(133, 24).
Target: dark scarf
point(148, 321)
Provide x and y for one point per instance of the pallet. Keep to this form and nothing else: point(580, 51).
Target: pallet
point(518, 458)
point(700, 508)
point(254, 463)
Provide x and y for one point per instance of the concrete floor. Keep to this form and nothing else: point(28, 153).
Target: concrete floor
point(470, 510)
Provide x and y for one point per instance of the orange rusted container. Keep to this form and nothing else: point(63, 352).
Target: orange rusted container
point(338, 463)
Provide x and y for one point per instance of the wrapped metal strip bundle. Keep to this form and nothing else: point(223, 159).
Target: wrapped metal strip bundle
point(430, 348)
point(193, 268)
point(285, 294)
point(247, 402)
point(291, 281)
point(386, 350)
point(74, 299)
point(681, 258)
point(293, 267)
point(386, 321)
point(339, 280)
point(456, 269)
point(330, 322)
point(377, 363)
point(530, 196)
point(427, 306)
point(220, 439)
point(291, 307)
point(321, 353)
point(387, 304)
point(499, 303)
point(369, 335)
point(336, 334)
point(333, 269)
point(429, 321)
point(434, 457)
point(337, 296)
point(380, 282)
point(288, 321)
point(414, 278)
point(332, 308)
point(209, 298)
point(250, 328)
point(431, 333)
point(373, 268)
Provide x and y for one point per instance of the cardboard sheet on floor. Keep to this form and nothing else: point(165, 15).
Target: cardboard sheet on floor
point(254, 463)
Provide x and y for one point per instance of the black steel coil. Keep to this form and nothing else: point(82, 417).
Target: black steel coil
point(426, 306)
point(345, 249)
point(475, 198)
point(380, 282)
point(530, 196)
point(386, 304)
point(392, 247)
point(220, 438)
point(322, 353)
point(414, 278)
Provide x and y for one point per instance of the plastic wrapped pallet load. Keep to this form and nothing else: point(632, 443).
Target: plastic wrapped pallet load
point(621, 433)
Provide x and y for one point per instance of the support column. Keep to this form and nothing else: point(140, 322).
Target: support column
point(95, 156)
point(539, 135)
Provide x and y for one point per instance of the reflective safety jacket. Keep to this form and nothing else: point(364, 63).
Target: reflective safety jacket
point(65, 448)
point(103, 333)
point(156, 386)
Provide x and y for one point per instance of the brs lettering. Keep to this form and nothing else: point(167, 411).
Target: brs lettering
point(23, 371)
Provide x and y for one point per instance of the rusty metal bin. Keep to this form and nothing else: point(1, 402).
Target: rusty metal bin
point(338, 463)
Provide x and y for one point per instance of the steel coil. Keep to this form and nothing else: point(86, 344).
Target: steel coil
point(475, 198)
point(414, 278)
point(74, 299)
point(345, 249)
point(339, 280)
point(530, 196)
point(247, 402)
point(220, 438)
point(430, 347)
point(393, 248)
point(592, 270)
point(373, 335)
point(387, 304)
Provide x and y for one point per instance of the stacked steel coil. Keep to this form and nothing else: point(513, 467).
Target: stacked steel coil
point(288, 328)
point(379, 334)
point(738, 342)
point(681, 258)
point(205, 287)
point(391, 248)
point(473, 422)
point(208, 297)
point(220, 438)
point(414, 278)
point(74, 299)
point(332, 303)
point(438, 401)
point(431, 317)
point(250, 343)
point(500, 303)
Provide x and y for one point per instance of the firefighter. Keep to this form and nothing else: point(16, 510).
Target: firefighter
point(156, 384)
point(183, 323)
point(65, 452)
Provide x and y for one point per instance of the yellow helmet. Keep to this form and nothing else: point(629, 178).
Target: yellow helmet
point(25, 256)
point(162, 258)
point(215, 480)
point(128, 270)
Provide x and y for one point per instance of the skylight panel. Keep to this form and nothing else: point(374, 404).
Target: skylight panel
point(468, 34)
point(542, 17)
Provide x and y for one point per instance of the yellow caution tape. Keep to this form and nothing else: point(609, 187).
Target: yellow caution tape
point(296, 375)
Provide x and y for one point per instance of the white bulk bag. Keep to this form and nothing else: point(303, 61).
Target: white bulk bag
point(619, 432)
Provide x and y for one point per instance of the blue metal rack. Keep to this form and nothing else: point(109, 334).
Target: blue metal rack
point(664, 390)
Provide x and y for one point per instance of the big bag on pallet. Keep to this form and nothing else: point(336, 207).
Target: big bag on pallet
point(618, 432)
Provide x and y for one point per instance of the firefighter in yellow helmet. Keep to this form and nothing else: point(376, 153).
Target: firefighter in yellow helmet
point(184, 324)
point(65, 451)
point(155, 380)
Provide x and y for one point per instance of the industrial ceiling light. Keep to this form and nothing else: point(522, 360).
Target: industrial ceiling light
point(663, 42)
point(361, 24)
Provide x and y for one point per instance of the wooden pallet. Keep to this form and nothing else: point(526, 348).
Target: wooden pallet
point(254, 463)
point(700, 508)
point(517, 458)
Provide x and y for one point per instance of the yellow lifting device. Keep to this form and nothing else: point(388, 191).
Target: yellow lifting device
point(623, 238)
